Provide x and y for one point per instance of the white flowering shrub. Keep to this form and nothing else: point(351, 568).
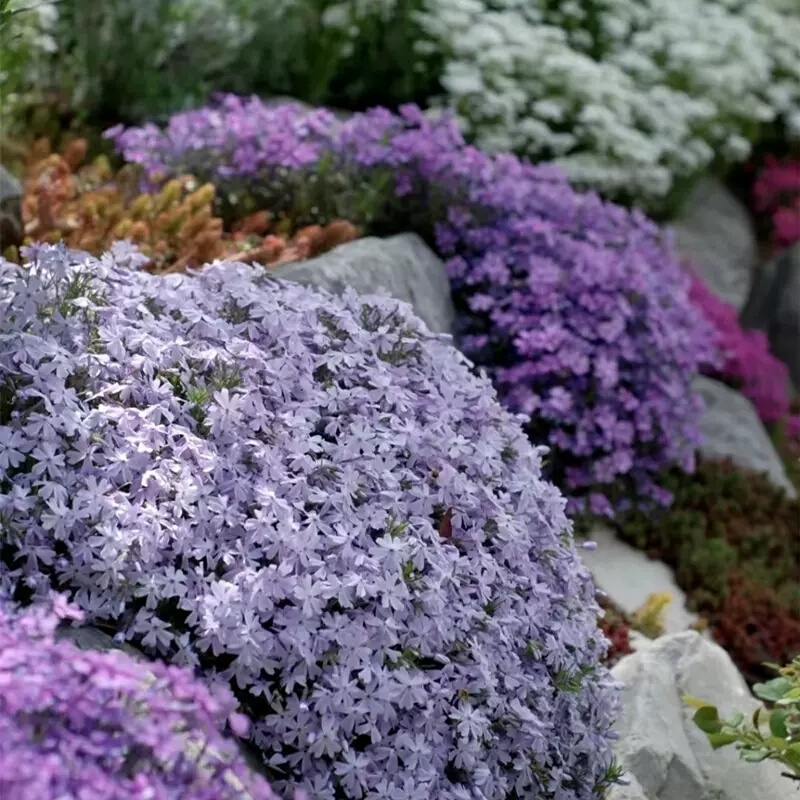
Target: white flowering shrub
point(630, 96)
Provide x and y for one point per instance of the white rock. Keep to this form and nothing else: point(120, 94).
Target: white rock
point(633, 791)
point(732, 429)
point(715, 233)
point(629, 577)
point(660, 746)
point(404, 266)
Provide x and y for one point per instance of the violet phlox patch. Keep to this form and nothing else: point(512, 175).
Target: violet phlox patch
point(91, 724)
point(314, 499)
point(577, 308)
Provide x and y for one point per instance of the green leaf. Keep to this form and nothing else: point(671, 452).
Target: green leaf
point(694, 702)
point(736, 720)
point(777, 724)
point(707, 719)
point(717, 740)
point(777, 744)
point(755, 756)
point(773, 690)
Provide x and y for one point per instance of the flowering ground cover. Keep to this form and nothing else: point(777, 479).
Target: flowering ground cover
point(577, 308)
point(731, 538)
point(747, 363)
point(632, 98)
point(314, 500)
point(776, 196)
point(85, 724)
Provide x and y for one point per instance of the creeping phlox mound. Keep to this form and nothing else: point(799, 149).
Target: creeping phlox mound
point(314, 499)
point(577, 308)
point(79, 724)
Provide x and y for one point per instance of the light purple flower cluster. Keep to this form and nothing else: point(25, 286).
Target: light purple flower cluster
point(314, 499)
point(102, 726)
point(577, 308)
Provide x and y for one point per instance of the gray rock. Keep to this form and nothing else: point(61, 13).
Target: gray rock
point(666, 755)
point(732, 429)
point(773, 306)
point(86, 637)
point(401, 265)
point(11, 227)
point(633, 791)
point(629, 577)
point(715, 233)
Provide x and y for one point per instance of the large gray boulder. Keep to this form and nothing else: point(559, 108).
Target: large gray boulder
point(773, 306)
point(404, 266)
point(715, 233)
point(631, 791)
point(665, 754)
point(731, 428)
point(11, 227)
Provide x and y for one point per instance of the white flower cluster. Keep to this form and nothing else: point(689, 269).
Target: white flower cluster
point(629, 96)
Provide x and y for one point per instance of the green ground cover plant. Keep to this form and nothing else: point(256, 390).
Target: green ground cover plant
point(732, 539)
point(772, 732)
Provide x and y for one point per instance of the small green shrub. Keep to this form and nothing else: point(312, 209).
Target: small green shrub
point(732, 539)
point(26, 41)
point(345, 53)
point(770, 734)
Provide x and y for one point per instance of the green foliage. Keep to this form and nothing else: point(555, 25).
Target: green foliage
point(732, 539)
point(173, 56)
point(343, 53)
point(26, 41)
point(769, 734)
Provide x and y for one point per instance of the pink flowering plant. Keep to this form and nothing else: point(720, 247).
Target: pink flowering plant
point(747, 363)
point(313, 499)
point(576, 308)
point(776, 194)
point(102, 725)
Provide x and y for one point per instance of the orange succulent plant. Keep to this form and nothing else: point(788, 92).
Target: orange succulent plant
point(89, 206)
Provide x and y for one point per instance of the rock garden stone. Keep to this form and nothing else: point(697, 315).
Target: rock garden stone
point(732, 429)
point(403, 266)
point(714, 231)
point(11, 227)
point(773, 306)
point(633, 791)
point(665, 754)
point(86, 637)
point(629, 577)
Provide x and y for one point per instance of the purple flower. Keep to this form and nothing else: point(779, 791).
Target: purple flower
point(555, 289)
point(314, 500)
point(91, 724)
